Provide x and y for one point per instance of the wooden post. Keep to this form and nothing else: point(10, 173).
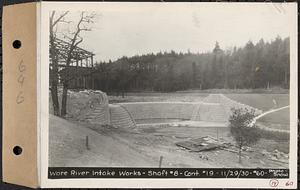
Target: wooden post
point(76, 80)
point(93, 81)
point(92, 61)
point(240, 155)
point(76, 60)
point(160, 161)
point(87, 143)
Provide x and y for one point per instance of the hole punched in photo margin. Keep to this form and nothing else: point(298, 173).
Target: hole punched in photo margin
point(17, 44)
point(17, 150)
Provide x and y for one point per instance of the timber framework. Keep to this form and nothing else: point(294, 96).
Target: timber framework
point(81, 66)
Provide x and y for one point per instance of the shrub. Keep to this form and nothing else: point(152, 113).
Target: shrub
point(243, 134)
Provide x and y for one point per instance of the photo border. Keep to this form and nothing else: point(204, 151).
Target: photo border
point(43, 116)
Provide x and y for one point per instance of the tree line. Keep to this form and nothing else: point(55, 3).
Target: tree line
point(260, 65)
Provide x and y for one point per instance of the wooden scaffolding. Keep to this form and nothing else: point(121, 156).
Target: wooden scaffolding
point(80, 68)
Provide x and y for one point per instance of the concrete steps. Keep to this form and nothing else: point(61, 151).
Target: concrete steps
point(98, 116)
point(120, 117)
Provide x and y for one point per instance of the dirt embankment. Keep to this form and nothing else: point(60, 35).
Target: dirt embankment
point(143, 146)
point(68, 147)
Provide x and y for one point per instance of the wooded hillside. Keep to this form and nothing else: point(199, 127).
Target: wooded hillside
point(260, 65)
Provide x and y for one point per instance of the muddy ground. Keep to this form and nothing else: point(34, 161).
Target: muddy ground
point(143, 146)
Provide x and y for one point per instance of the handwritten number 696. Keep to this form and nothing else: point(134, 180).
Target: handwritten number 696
point(21, 79)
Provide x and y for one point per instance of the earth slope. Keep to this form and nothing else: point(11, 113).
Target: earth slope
point(67, 146)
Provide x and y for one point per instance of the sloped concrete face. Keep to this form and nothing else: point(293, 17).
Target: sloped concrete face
point(160, 110)
point(212, 112)
point(214, 108)
point(227, 104)
point(120, 117)
point(194, 111)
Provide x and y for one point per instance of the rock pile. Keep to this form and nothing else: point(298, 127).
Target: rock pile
point(99, 110)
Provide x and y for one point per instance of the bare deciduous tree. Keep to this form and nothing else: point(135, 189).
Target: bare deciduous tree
point(54, 59)
point(74, 39)
point(84, 24)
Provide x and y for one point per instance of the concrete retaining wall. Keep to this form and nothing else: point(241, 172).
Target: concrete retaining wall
point(195, 111)
point(160, 110)
point(214, 108)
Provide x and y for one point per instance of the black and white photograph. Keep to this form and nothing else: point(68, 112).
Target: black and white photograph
point(175, 85)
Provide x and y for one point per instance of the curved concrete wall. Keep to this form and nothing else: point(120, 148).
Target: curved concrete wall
point(160, 110)
point(214, 108)
point(120, 117)
point(196, 111)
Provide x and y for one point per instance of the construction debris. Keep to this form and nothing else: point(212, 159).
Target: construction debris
point(276, 156)
point(201, 144)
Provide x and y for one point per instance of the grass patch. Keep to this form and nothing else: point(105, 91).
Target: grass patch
point(274, 135)
point(261, 101)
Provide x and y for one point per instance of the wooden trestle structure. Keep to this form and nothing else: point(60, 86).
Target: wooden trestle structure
point(81, 66)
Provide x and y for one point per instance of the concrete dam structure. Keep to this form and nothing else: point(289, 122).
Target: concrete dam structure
point(196, 111)
point(213, 108)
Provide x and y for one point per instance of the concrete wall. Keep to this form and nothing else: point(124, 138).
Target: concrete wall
point(213, 112)
point(160, 110)
point(196, 111)
point(214, 108)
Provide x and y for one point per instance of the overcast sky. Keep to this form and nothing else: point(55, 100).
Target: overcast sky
point(144, 28)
